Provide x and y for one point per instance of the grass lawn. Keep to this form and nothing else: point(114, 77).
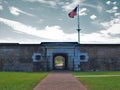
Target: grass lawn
point(20, 80)
point(100, 83)
point(58, 61)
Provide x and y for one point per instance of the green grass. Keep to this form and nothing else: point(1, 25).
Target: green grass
point(58, 62)
point(97, 73)
point(20, 80)
point(100, 83)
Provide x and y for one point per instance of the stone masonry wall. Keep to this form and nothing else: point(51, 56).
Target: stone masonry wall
point(101, 57)
point(18, 57)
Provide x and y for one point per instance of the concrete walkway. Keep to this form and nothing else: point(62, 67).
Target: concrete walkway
point(60, 81)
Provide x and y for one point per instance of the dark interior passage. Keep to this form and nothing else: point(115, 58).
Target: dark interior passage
point(60, 61)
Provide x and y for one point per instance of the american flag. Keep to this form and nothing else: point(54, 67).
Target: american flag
point(73, 13)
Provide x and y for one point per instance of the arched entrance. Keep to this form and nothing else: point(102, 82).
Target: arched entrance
point(60, 61)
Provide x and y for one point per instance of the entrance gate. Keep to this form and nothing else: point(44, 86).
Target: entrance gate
point(63, 55)
point(60, 61)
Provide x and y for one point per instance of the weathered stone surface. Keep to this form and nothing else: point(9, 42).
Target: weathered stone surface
point(18, 57)
point(101, 57)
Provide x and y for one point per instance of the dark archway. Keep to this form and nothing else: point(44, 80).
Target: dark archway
point(60, 61)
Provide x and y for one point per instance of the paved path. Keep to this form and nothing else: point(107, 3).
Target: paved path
point(60, 81)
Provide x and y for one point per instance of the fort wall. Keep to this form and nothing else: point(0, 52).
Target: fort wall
point(18, 57)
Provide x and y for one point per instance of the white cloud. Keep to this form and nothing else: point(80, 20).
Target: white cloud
point(114, 3)
point(111, 23)
point(113, 10)
point(114, 29)
point(105, 24)
point(1, 7)
point(108, 2)
point(95, 38)
point(15, 11)
point(50, 2)
point(103, 36)
point(117, 14)
point(99, 38)
point(99, 7)
point(54, 33)
point(93, 17)
point(82, 12)
point(22, 40)
point(72, 5)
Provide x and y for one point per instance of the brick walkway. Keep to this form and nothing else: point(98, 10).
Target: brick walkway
point(60, 81)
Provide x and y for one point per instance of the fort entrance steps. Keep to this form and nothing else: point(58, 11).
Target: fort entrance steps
point(60, 80)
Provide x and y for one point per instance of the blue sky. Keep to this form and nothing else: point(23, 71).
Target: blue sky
point(35, 21)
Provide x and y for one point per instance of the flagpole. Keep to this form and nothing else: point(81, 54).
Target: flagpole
point(78, 21)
